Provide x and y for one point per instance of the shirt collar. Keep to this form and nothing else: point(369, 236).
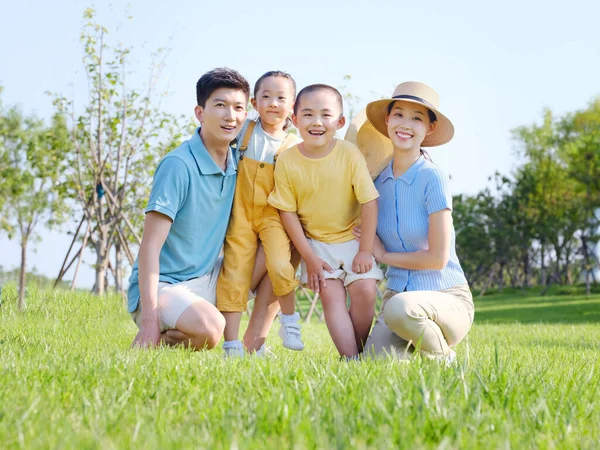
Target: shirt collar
point(206, 164)
point(408, 177)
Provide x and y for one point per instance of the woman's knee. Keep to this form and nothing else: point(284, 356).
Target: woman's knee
point(400, 314)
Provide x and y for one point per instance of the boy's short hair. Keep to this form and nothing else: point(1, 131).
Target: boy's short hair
point(318, 87)
point(223, 77)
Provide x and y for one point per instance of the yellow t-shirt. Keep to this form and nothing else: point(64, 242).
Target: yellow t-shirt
point(326, 193)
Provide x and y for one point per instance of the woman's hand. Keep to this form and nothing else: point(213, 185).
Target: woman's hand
point(378, 250)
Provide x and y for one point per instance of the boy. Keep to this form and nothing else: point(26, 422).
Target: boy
point(173, 282)
point(320, 185)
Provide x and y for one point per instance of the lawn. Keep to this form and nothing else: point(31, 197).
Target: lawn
point(528, 377)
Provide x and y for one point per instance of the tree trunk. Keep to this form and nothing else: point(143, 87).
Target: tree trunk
point(526, 270)
point(102, 255)
point(22, 273)
point(543, 269)
point(118, 268)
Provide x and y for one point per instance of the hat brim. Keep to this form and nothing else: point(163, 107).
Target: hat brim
point(443, 133)
point(376, 149)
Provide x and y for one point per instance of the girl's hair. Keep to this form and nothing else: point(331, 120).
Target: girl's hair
point(432, 118)
point(277, 73)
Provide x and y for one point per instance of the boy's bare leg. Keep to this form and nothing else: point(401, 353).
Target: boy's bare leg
point(362, 309)
point(337, 318)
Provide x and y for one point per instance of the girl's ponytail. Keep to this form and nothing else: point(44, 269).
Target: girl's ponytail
point(287, 124)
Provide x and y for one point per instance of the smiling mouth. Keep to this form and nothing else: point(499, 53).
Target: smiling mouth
point(403, 135)
point(227, 128)
point(316, 133)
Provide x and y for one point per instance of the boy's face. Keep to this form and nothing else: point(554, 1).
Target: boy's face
point(223, 114)
point(319, 117)
point(274, 100)
point(408, 124)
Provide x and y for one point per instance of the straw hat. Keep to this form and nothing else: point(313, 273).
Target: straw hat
point(413, 92)
point(377, 149)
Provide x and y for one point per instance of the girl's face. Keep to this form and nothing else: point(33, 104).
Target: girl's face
point(407, 124)
point(274, 100)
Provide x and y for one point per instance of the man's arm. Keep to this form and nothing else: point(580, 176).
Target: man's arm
point(156, 230)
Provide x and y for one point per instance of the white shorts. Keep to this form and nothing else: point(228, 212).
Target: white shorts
point(174, 298)
point(340, 257)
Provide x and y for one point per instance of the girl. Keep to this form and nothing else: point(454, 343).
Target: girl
point(253, 220)
point(427, 301)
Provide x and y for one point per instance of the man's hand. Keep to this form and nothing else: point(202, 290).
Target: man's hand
point(362, 263)
point(148, 336)
point(316, 278)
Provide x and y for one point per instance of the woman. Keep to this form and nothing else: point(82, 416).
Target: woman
point(427, 303)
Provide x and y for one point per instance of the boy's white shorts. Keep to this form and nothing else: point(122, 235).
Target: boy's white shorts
point(340, 257)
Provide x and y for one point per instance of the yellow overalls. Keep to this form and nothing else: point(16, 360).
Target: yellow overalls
point(253, 219)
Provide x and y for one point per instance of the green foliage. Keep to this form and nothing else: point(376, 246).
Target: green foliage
point(119, 136)
point(69, 380)
point(540, 226)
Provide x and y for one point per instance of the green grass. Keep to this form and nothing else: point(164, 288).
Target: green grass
point(526, 379)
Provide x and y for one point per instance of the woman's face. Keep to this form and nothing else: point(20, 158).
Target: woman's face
point(407, 124)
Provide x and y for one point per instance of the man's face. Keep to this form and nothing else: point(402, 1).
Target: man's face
point(319, 117)
point(223, 114)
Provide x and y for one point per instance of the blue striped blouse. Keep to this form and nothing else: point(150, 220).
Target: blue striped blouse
point(405, 204)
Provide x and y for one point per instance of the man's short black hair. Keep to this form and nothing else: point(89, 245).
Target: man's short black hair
point(222, 77)
point(318, 87)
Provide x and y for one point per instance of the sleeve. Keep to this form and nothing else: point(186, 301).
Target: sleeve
point(169, 187)
point(437, 194)
point(283, 196)
point(362, 183)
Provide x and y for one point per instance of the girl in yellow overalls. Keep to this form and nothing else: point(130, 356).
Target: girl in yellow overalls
point(253, 219)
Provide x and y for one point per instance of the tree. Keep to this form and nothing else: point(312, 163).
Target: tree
point(581, 152)
point(118, 138)
point(33, 189)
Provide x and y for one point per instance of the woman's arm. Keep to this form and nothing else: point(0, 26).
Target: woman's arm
point(434, 258)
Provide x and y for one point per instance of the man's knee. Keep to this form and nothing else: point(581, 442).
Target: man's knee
point(212, 329)
point(205, 325)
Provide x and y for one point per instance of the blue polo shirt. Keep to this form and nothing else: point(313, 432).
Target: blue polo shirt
point(405, 204)
point(197, 196)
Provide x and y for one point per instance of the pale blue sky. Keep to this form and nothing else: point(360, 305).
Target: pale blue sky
point(495, 66)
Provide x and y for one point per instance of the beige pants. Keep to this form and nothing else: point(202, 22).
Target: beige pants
point(432, 320)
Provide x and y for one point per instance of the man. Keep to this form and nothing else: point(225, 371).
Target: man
point(173, 283)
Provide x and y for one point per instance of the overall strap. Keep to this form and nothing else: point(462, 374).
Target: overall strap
point(287, 142)
point(247, 135)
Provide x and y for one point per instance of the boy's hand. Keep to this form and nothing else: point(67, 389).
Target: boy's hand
point(362, 263)
point(316, 278)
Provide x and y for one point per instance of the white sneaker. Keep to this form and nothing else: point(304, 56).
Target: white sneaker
point(264, 352)
point(234, 352)
point(290, 335)
point(450, 359)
